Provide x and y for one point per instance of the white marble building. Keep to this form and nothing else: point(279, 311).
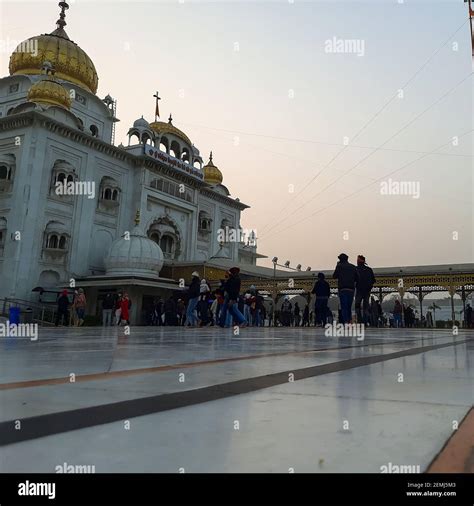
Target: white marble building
point(55, 129)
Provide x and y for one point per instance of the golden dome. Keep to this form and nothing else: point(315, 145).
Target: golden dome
point(212, 174)
point(70, 61)
point(162, 128)
point(50, 92)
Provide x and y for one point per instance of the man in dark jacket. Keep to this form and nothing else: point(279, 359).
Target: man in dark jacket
point(322, 291)
point(468, 316)
point(193, 298)
point(347, 278)
point(231, 297)
point(170, 312)
point(364, 287)
point(63, 309)
point(108, 305)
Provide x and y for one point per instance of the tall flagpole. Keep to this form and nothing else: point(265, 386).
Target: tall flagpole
point(471, 15)
point(157, 108)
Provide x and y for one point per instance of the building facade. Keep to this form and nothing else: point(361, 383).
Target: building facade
point(69, 196)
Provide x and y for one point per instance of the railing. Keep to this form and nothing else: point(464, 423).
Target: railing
point(29, 311)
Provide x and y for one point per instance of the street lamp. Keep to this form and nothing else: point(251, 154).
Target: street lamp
point(274, 260)
point(287, 264)
point(308, 269)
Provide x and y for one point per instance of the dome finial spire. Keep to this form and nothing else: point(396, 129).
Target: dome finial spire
point(137, 218)
point(61, 22)
point(170, 120)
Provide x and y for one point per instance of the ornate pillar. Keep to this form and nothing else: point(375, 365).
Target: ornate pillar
point(401, 291)
point(420, 298)
point(463, 297)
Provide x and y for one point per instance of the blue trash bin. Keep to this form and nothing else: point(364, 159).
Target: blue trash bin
point(14, 316)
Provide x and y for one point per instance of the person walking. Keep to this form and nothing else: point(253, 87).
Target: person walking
point(247, 310)
point(285, 312)
point(468, 316)
point(118, 308)
point(170, 312)
point(63, 309)
point(125, 305)
point(231, 297)
point(397, 314)
point(296, 312)
point(322, 291)
point(158, 312)
point(193, 298)
point(181, 311)
point(374, 313)
point(80, 306)
point(347, 278)
point(364, 287)
point(306, 316)
point(259, 311)
point(108, 306)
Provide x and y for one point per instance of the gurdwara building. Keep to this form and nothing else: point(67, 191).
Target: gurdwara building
point(76, 209)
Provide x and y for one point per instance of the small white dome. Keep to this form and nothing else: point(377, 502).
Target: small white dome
point(141, 123)
point(136, 256)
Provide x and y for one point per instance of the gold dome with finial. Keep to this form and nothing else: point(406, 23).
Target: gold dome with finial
point(70, 61)
point(212, 174)
point(162, 128)
point(48, 91)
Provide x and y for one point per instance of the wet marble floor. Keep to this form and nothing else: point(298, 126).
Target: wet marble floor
point(206, 400)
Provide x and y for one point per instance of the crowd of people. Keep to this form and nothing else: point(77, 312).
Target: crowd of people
point(115, 309)
point(226, 306)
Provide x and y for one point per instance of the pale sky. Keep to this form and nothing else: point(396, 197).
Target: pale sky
point(254, 82)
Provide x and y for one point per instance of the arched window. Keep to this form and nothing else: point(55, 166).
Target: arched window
point(115, 195)
point(205, 222)
point(175, 149)
point(94, 131)
point(164, 145)
point(132, 137)
point(155, 237)
point(185, 155)
point(61, 177)
point(62, 242)
point(70, 178)
point(4, 172)
point(108, 194)
point(53, 241)
point(166, 245)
